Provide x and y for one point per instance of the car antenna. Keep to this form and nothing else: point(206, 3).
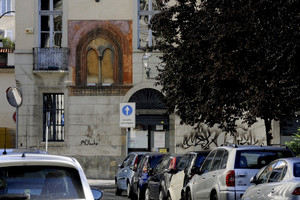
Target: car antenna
point(4, 152)
point(23, 155)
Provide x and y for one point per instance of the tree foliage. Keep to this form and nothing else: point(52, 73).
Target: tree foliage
point(223, 60)
point(7, 42)
point(294, 144)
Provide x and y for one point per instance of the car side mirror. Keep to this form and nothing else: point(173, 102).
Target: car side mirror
point(253, 180)
point(97, 194)
point(120, 166)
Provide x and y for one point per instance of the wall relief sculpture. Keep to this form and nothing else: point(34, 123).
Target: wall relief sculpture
point(207, 137)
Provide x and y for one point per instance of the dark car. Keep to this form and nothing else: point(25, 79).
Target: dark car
point(141, 175)
point(160, 177)
point(125, 172)
point(188, 165)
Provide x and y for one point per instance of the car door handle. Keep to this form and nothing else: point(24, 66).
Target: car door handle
point(214, 175)
point(258, 191)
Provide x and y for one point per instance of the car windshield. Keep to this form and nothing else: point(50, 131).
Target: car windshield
point(256, 159)
point(297, 169)
point(40, 182)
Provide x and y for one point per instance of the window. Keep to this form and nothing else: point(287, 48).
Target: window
point(100, 62)
point(264, 176)
point(217, 160)
point(146, 9)
point(207, 163)
point(99, 59)
point(50, 23)
point(5, 6)
point(53, 117)
point(277, 173)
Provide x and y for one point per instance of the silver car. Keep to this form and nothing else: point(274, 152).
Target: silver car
point(226, 171)
point(278, 180)
point(125, 172)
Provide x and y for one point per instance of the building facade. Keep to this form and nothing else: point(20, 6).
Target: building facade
point(7, 74)
point(76, 62)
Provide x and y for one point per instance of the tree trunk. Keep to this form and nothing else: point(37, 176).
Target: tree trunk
point(269, 137)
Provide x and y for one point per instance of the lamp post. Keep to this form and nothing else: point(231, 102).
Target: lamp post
point(11, 11)
point(145, 61)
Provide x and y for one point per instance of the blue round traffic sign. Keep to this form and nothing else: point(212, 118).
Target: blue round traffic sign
point(127, 110)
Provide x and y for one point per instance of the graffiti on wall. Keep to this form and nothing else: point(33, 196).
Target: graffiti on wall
point(207, 137)
point(89, 140)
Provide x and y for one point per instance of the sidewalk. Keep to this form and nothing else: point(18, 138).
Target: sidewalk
point(101, 183)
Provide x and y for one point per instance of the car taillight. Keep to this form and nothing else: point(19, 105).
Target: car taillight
point(145, 168)
point(135, 163)
point(230, 178)
point(296, 191)
point(173, 164)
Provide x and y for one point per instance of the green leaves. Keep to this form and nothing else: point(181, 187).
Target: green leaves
point(222, 59)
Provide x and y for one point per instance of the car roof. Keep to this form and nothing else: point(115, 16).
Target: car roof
point(37, 159)
point(249, 147)
point(21, 150)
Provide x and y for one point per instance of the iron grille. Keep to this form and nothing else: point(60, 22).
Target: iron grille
point(53, 117)
point(50, 58)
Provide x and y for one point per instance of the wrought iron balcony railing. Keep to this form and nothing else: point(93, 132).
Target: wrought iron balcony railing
point(50, 58)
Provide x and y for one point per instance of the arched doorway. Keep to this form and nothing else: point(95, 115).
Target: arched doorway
point(152, 123)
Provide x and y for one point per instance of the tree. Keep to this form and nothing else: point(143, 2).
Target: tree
point(294, 144)
point(224, 60)
point(7, 42)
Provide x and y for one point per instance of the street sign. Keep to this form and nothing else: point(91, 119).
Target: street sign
point(127, 115)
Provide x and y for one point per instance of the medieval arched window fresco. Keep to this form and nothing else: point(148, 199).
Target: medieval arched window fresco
point(100, 62)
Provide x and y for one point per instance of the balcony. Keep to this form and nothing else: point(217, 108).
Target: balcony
point(49, 59)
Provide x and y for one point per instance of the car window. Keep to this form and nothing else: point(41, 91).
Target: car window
point(296, 169)
point(41, 182)
point(217, 160)
point(263, 177)
point(162, 163)
point(256, 159)
point(126, 161)
point(183, 162)
point(207, 163)
point(142, 162)
point(200, 159)
point(153, 160)
point(224, 160)
point(277, 172)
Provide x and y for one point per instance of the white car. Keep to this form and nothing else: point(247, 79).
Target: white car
point(226, 171)
point(43, 176)
point(278, 180)
point(184, 172)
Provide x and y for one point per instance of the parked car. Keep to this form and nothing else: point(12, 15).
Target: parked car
point(43, 176)
point(278, 180)
point(184, 172)
point(226, 171)
point(141, 175)
point(159, 180)
point(125, 172)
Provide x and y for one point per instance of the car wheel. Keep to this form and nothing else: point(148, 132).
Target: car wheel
point(161, 195)
point(117, 190)
point(214, 196)
point(188, 195)
point(140, 196)
point(169, 196)
point(128, 190)
point(147, 194)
